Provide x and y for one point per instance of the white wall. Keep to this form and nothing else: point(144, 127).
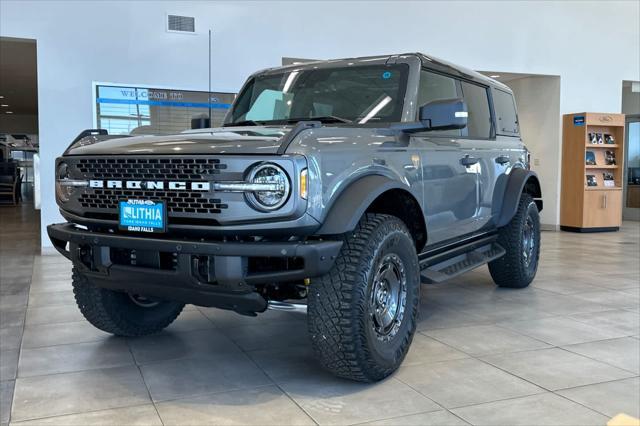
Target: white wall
point(538, 101)
point(81, 42)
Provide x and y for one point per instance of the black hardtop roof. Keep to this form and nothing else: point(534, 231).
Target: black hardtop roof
point(427, 60)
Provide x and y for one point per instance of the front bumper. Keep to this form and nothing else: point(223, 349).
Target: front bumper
point(203, 273)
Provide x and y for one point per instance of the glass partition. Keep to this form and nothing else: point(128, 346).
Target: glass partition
point(124, 110)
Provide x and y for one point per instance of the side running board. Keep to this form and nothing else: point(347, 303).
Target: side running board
point(451, 264)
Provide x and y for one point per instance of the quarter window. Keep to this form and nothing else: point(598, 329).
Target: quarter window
point(479, 121)
point(506, 116)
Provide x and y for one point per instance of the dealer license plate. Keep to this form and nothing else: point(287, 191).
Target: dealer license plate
point(142, 215)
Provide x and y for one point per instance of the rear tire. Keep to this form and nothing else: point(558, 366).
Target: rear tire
point(362, 314)
point(521, 239)
point(120, 313)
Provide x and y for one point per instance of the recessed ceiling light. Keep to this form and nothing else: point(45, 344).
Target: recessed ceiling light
point(495, 76)
point(1, 97)
point(4, 105)
point(9, 112)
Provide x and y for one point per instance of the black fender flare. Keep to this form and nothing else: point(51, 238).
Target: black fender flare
point(515, 183)
point(349, 206)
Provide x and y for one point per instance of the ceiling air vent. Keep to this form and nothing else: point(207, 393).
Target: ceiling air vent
point(181, 24)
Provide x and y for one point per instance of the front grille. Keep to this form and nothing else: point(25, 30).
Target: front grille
point(149, 168)
point(177, 202)
point(194, 205)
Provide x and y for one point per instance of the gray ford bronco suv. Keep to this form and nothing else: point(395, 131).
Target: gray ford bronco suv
point(347, 183)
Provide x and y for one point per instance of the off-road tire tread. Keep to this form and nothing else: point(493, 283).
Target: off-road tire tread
point(102, 309)
point(509, 270)
point(332, 316)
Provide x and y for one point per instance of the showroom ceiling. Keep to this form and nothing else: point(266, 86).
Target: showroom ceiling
point(18, 76)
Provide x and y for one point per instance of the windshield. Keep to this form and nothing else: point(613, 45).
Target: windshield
point(359, 94)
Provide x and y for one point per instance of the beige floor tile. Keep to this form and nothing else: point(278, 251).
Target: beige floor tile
point(424, 350)
point(433, 418)
point(625, 322)
point(190, 320)
point(433, 316)
point(70, 393)
point(613, 299)
point(610, 398)
point(74, 357)
point(184, 378)
point(555, 368)
point(269, 336)
point(464, 382)
point(10, 338)
point(6, 396)
point(561, 330)
point(261, 406)
point(485, 339)
point(41, 335)
point(141, 415)
point(623, 353)
point(8, 364)
point(51, 298)
point(294, 361)
point(333, 401)
point(541, 410)
point(169, 345)
point(53, 314)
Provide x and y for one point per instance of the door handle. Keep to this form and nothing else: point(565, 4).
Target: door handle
point(503, 159)
point(468, 161)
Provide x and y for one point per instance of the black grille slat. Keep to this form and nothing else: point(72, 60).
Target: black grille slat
point(159, 169)
point(149, 168)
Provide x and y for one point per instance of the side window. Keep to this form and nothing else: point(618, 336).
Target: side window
point(506, 116)
point(436, 86)
point(479, 121)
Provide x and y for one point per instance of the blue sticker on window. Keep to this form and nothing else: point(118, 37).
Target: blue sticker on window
point(578, 120)
point(386, 75)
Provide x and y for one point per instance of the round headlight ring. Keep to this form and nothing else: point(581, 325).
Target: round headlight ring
point(63, 192)
point(267, 201)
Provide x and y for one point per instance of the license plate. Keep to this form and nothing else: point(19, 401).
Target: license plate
point(142, 215)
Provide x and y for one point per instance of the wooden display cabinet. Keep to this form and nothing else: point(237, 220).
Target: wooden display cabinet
point(588, 203)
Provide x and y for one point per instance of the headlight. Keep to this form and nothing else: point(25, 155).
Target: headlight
point(277, 195)
point(63, 192)
point(65, 187)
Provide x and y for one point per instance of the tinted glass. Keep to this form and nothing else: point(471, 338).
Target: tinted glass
point(479, 122)
point(506, 118)
point(436, 86)
point(363, 94)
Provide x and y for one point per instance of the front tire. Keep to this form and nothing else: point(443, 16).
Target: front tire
point(120, 313)
point(362, 314)
point(521, 239)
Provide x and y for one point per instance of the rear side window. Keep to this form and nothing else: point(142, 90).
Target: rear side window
point(437, 86)
point(506, 116)
point(479, 121)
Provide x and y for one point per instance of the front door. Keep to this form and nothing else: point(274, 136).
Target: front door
point(449, 167)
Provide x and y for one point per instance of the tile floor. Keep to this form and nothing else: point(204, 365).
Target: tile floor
point(565, 351)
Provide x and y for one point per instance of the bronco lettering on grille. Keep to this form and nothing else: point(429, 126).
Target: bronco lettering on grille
point(151, 184)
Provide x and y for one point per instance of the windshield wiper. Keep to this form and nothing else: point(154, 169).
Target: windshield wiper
point(322, 119)
point(242, 123)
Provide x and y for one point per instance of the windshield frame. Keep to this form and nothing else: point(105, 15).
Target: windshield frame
point(404, 90)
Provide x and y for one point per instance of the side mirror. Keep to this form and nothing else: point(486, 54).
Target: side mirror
point(444, 114)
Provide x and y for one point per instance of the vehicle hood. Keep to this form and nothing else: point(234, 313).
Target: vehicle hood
point(224, 140)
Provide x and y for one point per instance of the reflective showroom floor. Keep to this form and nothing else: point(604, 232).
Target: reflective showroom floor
point(564, 351)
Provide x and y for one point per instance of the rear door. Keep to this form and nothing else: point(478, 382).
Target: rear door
point(478, 141)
